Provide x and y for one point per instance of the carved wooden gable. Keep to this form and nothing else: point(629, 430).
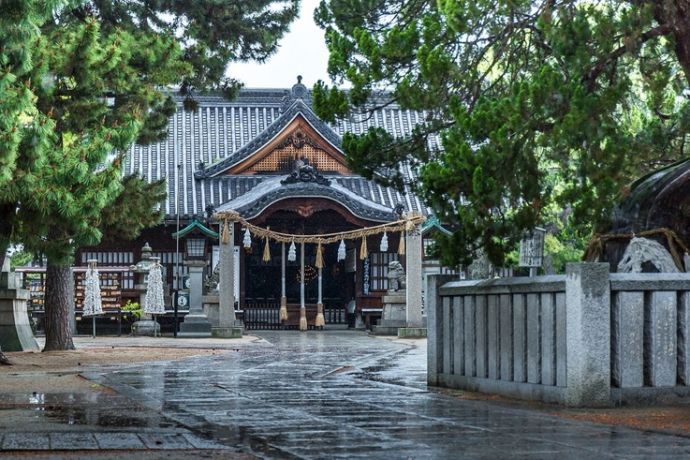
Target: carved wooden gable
point(298, 142)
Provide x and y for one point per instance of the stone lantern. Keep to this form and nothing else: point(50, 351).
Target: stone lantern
point(146, 325)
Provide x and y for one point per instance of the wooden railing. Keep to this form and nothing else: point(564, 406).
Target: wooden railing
point(265, 314)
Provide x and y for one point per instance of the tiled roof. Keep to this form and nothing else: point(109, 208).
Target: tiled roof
point(216, 133)
point(272, 190)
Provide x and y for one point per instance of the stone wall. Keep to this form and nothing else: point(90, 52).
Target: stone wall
point(583, 339)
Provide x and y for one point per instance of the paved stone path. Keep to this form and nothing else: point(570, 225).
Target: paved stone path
point(347, 395)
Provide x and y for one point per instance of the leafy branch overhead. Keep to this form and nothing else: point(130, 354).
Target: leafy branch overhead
point(533, 103)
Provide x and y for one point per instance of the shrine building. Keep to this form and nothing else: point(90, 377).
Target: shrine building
point(268, 157)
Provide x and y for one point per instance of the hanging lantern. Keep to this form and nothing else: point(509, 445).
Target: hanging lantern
point(292, 252)
point(363, 251)
point(384, 242)
point(247, 241)
point(341, 251)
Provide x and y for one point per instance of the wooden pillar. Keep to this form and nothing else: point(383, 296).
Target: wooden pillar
point(320, 320)
point(302, 306)
point(283, 297)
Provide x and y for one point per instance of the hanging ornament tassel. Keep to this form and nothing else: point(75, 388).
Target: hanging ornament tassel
point(384, 242)
point(225, 236)
point(292, 252)
point(267, 252)
point(363, 252)
point(341, 251)
point(303, 319)
point(401, 247)
point(320, 320)
point(283, 309)
point(319, 256)
point(247, 241)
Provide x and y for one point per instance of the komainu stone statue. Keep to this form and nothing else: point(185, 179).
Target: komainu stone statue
point(645, 255)
point(211, 282)
point(396, 276)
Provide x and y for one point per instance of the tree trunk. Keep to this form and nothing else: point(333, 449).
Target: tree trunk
point(59, 297)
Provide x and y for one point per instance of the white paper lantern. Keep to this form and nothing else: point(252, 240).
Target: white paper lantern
point(292, 252)
point(341, 251)
point(247, 241)
point(384, 242)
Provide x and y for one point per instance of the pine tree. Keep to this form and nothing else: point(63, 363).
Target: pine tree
point(534, 103)
point(21, 125)
point(97, 74)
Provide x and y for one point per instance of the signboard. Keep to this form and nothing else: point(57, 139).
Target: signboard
point(532, 248)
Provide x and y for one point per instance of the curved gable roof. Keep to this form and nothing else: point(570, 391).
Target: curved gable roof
point(296, 109)
point(270, 191)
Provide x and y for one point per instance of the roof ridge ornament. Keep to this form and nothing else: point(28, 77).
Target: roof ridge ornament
point(305, 173)
point(298, 91)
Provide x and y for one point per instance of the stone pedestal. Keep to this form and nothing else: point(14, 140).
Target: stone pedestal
point(394, 314)
point(146, 325)
point(15, 329)
point(195, 323)
point(211, 304)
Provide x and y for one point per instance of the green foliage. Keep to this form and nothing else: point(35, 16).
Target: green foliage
point(535, 104)
point(20, 259)
point(212, 33)
point(78, 71)
point(133, 308)
point(134, 209)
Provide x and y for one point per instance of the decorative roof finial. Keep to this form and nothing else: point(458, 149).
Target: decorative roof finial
point(298, 91)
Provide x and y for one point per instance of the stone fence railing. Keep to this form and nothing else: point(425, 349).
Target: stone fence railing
point(586, 338)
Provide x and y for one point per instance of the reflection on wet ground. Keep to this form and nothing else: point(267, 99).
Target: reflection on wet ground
point(347, 395)
point(334, 394)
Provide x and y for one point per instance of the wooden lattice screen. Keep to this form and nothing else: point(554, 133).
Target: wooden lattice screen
point(282, 160)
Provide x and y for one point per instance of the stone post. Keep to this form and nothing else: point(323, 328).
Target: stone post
point(588, 331)
point(435, 324)
point(413, 257)
point(15, 328)
point(414, 326)
point(226, 288)
point(195, 323)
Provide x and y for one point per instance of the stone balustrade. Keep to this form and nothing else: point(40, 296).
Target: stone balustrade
point(585, 338)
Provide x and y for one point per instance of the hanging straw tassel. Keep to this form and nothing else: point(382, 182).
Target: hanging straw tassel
point(283, 309)
point(320, 320)
point(401, 246)
point(363, 252)
point(302, 319)
point(225, 236)
point(319, 256)
point(267, 252)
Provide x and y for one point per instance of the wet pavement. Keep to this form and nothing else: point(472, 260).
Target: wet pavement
point(333, 394)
